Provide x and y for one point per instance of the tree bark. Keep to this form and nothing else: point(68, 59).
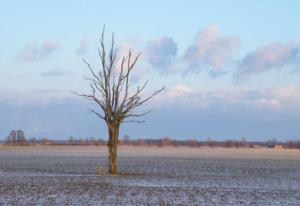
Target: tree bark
point(113, 131)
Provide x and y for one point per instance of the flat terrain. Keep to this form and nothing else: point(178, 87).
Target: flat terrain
point(149, 176)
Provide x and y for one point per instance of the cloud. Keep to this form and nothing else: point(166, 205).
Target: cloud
point(211, 50)
point(215, 52)
point(54, 73)
point(84, 45)
point(286, 95)
point(139, 70)
point(32, 52)
point(122, 52)
point(273, 56)
point(276, 97)
point(35, 97)
point(66, 118)
point(179, 91)
point(161, 54)
point(231, 113)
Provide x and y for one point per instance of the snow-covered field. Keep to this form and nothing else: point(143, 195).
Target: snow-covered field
point(149, 176)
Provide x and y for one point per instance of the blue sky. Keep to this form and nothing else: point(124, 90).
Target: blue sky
point(231, 68)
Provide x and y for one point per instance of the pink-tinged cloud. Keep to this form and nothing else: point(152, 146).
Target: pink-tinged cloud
point(274, 56)
point(179, 91)
point(211, 50)
point(33, 52)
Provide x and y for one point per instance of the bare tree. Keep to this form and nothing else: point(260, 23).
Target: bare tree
point(110, 90)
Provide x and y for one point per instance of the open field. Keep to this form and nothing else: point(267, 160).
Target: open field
point(155, 176)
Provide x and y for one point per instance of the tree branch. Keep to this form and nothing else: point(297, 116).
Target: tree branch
point(110, 92)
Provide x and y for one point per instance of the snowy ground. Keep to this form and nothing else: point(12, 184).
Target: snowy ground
point(149, 176)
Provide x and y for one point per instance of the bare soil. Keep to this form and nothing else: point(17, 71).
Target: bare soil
point(149, 176)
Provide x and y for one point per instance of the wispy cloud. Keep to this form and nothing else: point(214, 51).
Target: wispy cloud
point(273, 56)
point(33, 52)
point(54, 73)
point(84, 45)
point(35, 97)
point(210, 49)
point(275, 97)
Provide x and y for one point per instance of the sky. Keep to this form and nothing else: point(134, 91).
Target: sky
point(231, 68)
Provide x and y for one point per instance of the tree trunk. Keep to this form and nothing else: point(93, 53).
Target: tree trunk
point(112, 149)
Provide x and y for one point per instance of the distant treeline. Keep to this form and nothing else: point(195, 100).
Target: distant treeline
point(18, 138)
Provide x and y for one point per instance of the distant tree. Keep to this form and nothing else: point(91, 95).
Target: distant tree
point(166, 141)
point(16, 137)
point(110, 90)
point(32, 140)
point(12, 138)
point(271, 143)
point(141, 142)
point(293, 144)
point(100, 142)
point(13, 135)
point(45, 141)
point(92, 141)
point(21, 139)
point(192, 143)
point(243, 142)
point(210, 143)
point(82, 141)
point(9, 140)
point(126, 139)
point(71, 140)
